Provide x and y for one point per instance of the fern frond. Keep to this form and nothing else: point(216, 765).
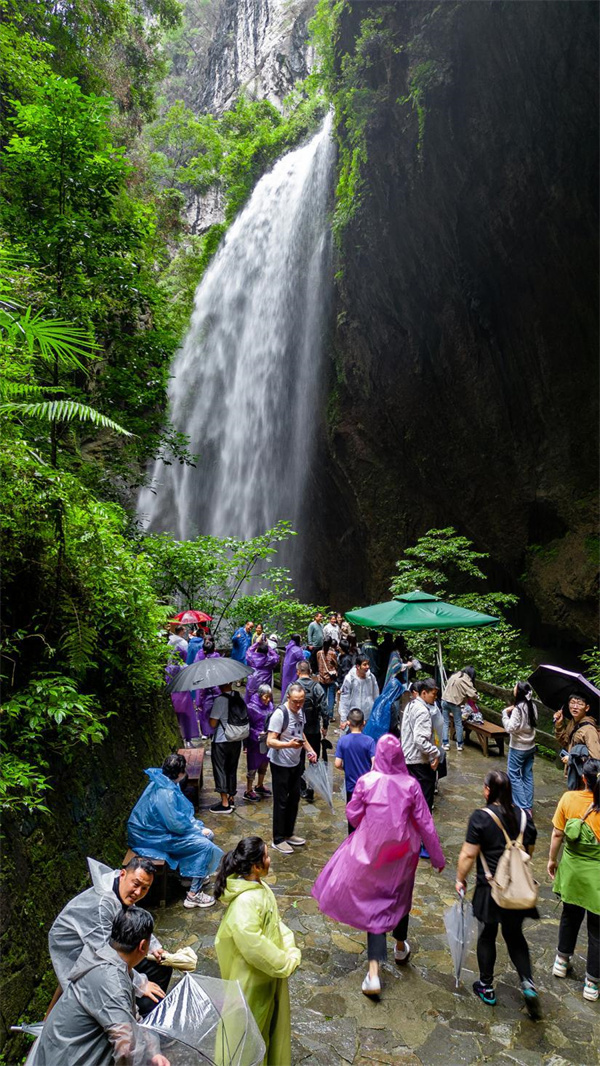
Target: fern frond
point(50, 338)
point(63, 411)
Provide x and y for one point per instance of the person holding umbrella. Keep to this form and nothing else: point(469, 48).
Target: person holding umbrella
point(574, 725)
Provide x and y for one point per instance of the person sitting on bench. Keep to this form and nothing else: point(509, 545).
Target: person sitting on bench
point(162, 825)
point(87, 920)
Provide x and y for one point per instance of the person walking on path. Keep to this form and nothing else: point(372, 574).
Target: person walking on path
point(520, 721)
point(576, 728)
point(399, 663)
point(294, 654)
point(285, 740)
point(183, 702)
point(254, 947)
point(240, 642)
point(485, 838)
point(195, 642)
point(359, 690)
point(229, 719)
point(205, 697)
point(263, 659)
point(163, 825)
point(327, 663)
point(421, 754)
point(315, 637)
point(371, 649)
point(576, 877)
point(316, 719)
point(260, 706)
point(368, 883)
point(332, 630)
point(459, 687)
point(259, 633)
point(354, 754)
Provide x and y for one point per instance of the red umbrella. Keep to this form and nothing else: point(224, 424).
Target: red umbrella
point(187, 617)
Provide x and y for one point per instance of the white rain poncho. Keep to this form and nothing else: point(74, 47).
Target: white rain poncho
point(93, 1023)
point(87, 919)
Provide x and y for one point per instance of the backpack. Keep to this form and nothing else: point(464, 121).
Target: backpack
point(262, 738)
point(310, 707)
point(237, 726)
point(577, 756)
point(513, 886)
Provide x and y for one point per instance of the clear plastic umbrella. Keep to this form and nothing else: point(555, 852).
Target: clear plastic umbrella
point(460, 926)
point(207, 1021)
point(319, 776)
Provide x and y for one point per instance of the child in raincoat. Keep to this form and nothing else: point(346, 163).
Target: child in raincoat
point(368, 882)
point(254, 946)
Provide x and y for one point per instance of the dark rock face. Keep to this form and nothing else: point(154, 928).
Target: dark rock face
point(464, 377)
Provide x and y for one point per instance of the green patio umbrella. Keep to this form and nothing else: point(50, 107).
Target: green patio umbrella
point(417, 611)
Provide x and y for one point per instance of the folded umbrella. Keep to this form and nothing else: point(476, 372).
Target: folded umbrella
point(319, 777)
point(460, 926)
point(554, 686)
point(208, 673)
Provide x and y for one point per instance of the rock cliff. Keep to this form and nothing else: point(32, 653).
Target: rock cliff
point(463, 383)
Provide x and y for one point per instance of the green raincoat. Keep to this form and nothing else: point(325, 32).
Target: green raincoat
point(578, 876)
point(255, 948)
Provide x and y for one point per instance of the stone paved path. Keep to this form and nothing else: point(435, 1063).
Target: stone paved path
point(421, 1018)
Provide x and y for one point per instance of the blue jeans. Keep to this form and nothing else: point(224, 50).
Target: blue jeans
point(447, 710)
point(330, 691)
point(520, 772)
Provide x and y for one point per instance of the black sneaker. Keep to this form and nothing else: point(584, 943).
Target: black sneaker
point(485, 992)
point(532, 1000)
point(218, 808)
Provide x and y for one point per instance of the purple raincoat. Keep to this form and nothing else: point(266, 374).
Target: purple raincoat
point(368, 882)
point(205, 697)
point(257, 714)
point(293, 654)
point(183, 704)
point(263, 664)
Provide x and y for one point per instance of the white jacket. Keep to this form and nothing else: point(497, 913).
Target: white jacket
point(417, 733)
point(357, 692)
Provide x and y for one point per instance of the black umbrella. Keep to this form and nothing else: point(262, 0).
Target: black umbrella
point(554, 686)
point(208, 673)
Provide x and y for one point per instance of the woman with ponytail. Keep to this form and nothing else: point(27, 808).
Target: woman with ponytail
point(254, 946)
point(520, 721)
point(485, 837)
point(576, 877)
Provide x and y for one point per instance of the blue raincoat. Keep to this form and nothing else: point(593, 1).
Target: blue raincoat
point(379, 719)
point(240, 642)
point(162, 825)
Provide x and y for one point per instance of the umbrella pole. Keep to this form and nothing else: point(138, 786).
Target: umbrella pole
point(443, 678)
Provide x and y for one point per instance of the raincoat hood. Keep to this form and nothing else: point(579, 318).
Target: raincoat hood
point(236, 886)
point(90, 957)
point(102, 876)
point(389, 757)
point(159, 779)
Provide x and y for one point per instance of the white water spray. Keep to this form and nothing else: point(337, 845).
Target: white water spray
point(245, 384)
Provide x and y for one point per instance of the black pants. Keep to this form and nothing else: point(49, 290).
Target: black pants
point(570, 923)
point(423, 773)
point(351, 827)
point(286, 797)
point(161, 975)
point(225, 758)
point(516, 945)
point(377, 943)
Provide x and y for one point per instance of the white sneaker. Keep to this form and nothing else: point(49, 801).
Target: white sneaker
point(590, 990)
point(284, 848)
point(460, 747)
point(296, 842)
point(402, 956)
point(561, 966)
point(198, 899)
point(446, 747)
point(371, 986)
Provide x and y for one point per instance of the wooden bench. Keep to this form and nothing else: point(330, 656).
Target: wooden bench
point(160, 877)
point(486, 732)
point(194, 765)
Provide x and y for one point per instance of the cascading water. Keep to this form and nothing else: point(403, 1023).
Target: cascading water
point(245, 384)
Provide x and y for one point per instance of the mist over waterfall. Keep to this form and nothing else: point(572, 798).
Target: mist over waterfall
point(245, 384)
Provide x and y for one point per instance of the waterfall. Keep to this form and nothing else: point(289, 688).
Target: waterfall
point(246, 383)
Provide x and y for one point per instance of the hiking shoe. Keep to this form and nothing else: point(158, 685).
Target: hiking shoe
point(561, 966)
point(232, 801)
point(460, 747)
point(198, 899)
point(309, 795)
point(446, 746)
point(218, 808)
point(262, 791)
point(371, 986)
point(297, 842)
point(590, 990)
point(252, 796)
point(485, 992)
point(532, 1000)
point(400, 957)
point(284, 848)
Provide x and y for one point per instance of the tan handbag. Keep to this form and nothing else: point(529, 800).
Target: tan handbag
point(183, 959)
point(513, 885)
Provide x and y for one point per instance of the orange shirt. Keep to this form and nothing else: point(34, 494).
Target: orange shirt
point(574, 805)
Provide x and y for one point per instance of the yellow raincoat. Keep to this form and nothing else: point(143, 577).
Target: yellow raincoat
point(255, 948)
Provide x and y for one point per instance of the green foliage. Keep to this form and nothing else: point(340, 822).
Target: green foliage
point(219, 575)
point(591, 660)
point(446, 565)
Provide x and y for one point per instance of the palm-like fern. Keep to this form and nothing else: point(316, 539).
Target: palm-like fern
point(63, 411)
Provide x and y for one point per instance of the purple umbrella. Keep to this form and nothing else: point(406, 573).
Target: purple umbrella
point(554, 686)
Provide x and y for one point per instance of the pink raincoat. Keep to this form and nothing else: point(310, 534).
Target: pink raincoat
point(368, 882)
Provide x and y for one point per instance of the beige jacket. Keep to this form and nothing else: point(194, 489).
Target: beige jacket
point(585, 733)
point(459, 688)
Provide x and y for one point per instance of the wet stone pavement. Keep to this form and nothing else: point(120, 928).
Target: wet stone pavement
point(421, 1018)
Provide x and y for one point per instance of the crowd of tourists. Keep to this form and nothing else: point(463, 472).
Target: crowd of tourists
point(102, 938)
